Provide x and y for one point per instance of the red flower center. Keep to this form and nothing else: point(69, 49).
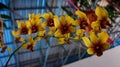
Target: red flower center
point(104, 22)
point(91, 15)
point(17, 40)
point(98, 48)
point(83, 23)
point(34, 29)
point(64, 28)
point(24, 30)
point(3, 49)
point(50, 22)
point(30, 47)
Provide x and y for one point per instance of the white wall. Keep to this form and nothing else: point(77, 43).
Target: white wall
point(110, 58)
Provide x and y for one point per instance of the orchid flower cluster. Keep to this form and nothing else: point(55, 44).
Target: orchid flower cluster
point(88, 27)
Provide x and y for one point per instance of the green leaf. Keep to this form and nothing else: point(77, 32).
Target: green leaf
point(4, 26)
point(2, 6)
point(111, 12)
point(84, 3)
point(68, 12)
point(5, 16)
point(93, 1)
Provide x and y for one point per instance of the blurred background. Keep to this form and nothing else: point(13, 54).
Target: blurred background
point(55, 55)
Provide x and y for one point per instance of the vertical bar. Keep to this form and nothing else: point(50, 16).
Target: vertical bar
point(47, 52)
point(59, 7)
point(43, 5)
point(1, 63)
point(41, 47)
point(13, 21)
point(47, 6)
point(61, 55)
point(79, 51)
point(46, 56)
point(37, 6)
point(41, 56)
point(68, 54)
point(26, 15)
point(84, 49)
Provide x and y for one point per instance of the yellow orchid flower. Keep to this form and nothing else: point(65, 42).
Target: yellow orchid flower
point(22, 28)
point(49, 19)
point(31, 44)
point(91, 16)
point(70, 20)
point(16, 35)
point(96, 26)
point(101, 13)
point(102, 17)
point(79, 34)
point(96, 44)
point(51, 22)
point(65, 39)
point(34, 18)
point(40, 35)
point(82, 21)
point(64, 27)
point(61, 41)
point(34, 23)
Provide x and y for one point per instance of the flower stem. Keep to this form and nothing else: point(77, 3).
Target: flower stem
point(70, 7)
point(74, 5)
point(13, 54)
